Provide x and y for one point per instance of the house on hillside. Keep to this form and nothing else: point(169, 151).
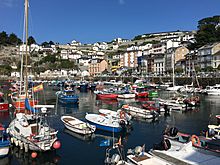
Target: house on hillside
point(97, 66)
point(206, 55)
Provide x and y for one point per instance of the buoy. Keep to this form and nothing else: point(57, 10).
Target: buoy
point(16, 142)
point(25, 147)
point(33, 155)
point(12, 140)
point(56, 145)
point(21, 146)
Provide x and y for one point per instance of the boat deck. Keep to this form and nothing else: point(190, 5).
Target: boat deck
point(169, 158)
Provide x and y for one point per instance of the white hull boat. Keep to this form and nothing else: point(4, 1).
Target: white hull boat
point(118, 115)
point(213, 90)
point(140, 112)
point(30, 132)
point(126, 96)
point(77, 125)
point(186, 154)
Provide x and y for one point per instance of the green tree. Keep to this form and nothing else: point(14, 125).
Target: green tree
point(3, 38)
point(31, 40)
point(208, 32)
point(13, 39)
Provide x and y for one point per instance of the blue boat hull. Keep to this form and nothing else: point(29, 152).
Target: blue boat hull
point(74, 100)
point(106, 128)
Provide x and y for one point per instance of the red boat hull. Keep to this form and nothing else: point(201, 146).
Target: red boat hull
point(21, 105)
point(142, 94)
point(106, 96)
point(4, 107)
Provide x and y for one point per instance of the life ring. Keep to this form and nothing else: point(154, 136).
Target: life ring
point(195, 141)
point(122, 115)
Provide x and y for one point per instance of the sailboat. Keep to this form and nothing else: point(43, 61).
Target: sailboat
point(30, 130)
point(174, 87)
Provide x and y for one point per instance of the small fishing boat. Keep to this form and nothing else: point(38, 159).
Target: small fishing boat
point(141, 92)
point(106, 96)
point(140, 112)
point(31, 131)
point(68, 96)
point(4, 142)
point(106, 123)
point(77, 125)
point(3, 103)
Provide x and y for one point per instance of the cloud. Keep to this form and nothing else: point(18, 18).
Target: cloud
point(8, 3)
point(121, 2)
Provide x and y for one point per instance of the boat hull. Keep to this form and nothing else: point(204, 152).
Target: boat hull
point(4, 107)
point(103, 123)
point(106, 96)
point(77, 126)
point(4, 151)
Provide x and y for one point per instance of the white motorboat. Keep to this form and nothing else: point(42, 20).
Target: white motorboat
point(77, 125)
point(106, 123)
point(213, 90)
point(140, 112)
point(186, 154)
point(31, 132)
point(120, 115)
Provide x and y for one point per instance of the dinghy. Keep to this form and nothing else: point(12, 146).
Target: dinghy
point(77, 125)
point(139, 112)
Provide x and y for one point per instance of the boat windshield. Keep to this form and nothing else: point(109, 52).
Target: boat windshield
point(33, 121)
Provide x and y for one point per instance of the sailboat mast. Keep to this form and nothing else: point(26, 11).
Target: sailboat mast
point(26, 47)
point(173, 61)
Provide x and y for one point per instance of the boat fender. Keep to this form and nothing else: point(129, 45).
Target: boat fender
point(166, 144)
point(195, 141)
point(115, 159)
point(173, 131)
point(25, 147)
point(16, 142)
point(12, 140)
point(122, 115)
point(21, 145)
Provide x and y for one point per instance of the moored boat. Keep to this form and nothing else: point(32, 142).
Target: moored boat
point(105, 123)
point(106, 96)
point(68, 96)
point(120, 115)
point(140, 112)
point(4, 142)
point(77, 125)
point(3, 103)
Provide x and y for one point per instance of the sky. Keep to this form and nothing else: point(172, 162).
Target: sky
point(90, 21)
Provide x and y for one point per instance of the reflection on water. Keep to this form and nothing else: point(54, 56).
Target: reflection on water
point(24, 158)
point(75, 146)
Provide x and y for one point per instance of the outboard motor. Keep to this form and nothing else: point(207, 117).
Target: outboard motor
point(173, 131)
point(138, 150)
point(163, 145)
point(115, 159)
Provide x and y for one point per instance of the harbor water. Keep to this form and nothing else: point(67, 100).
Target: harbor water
point(82, 150)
